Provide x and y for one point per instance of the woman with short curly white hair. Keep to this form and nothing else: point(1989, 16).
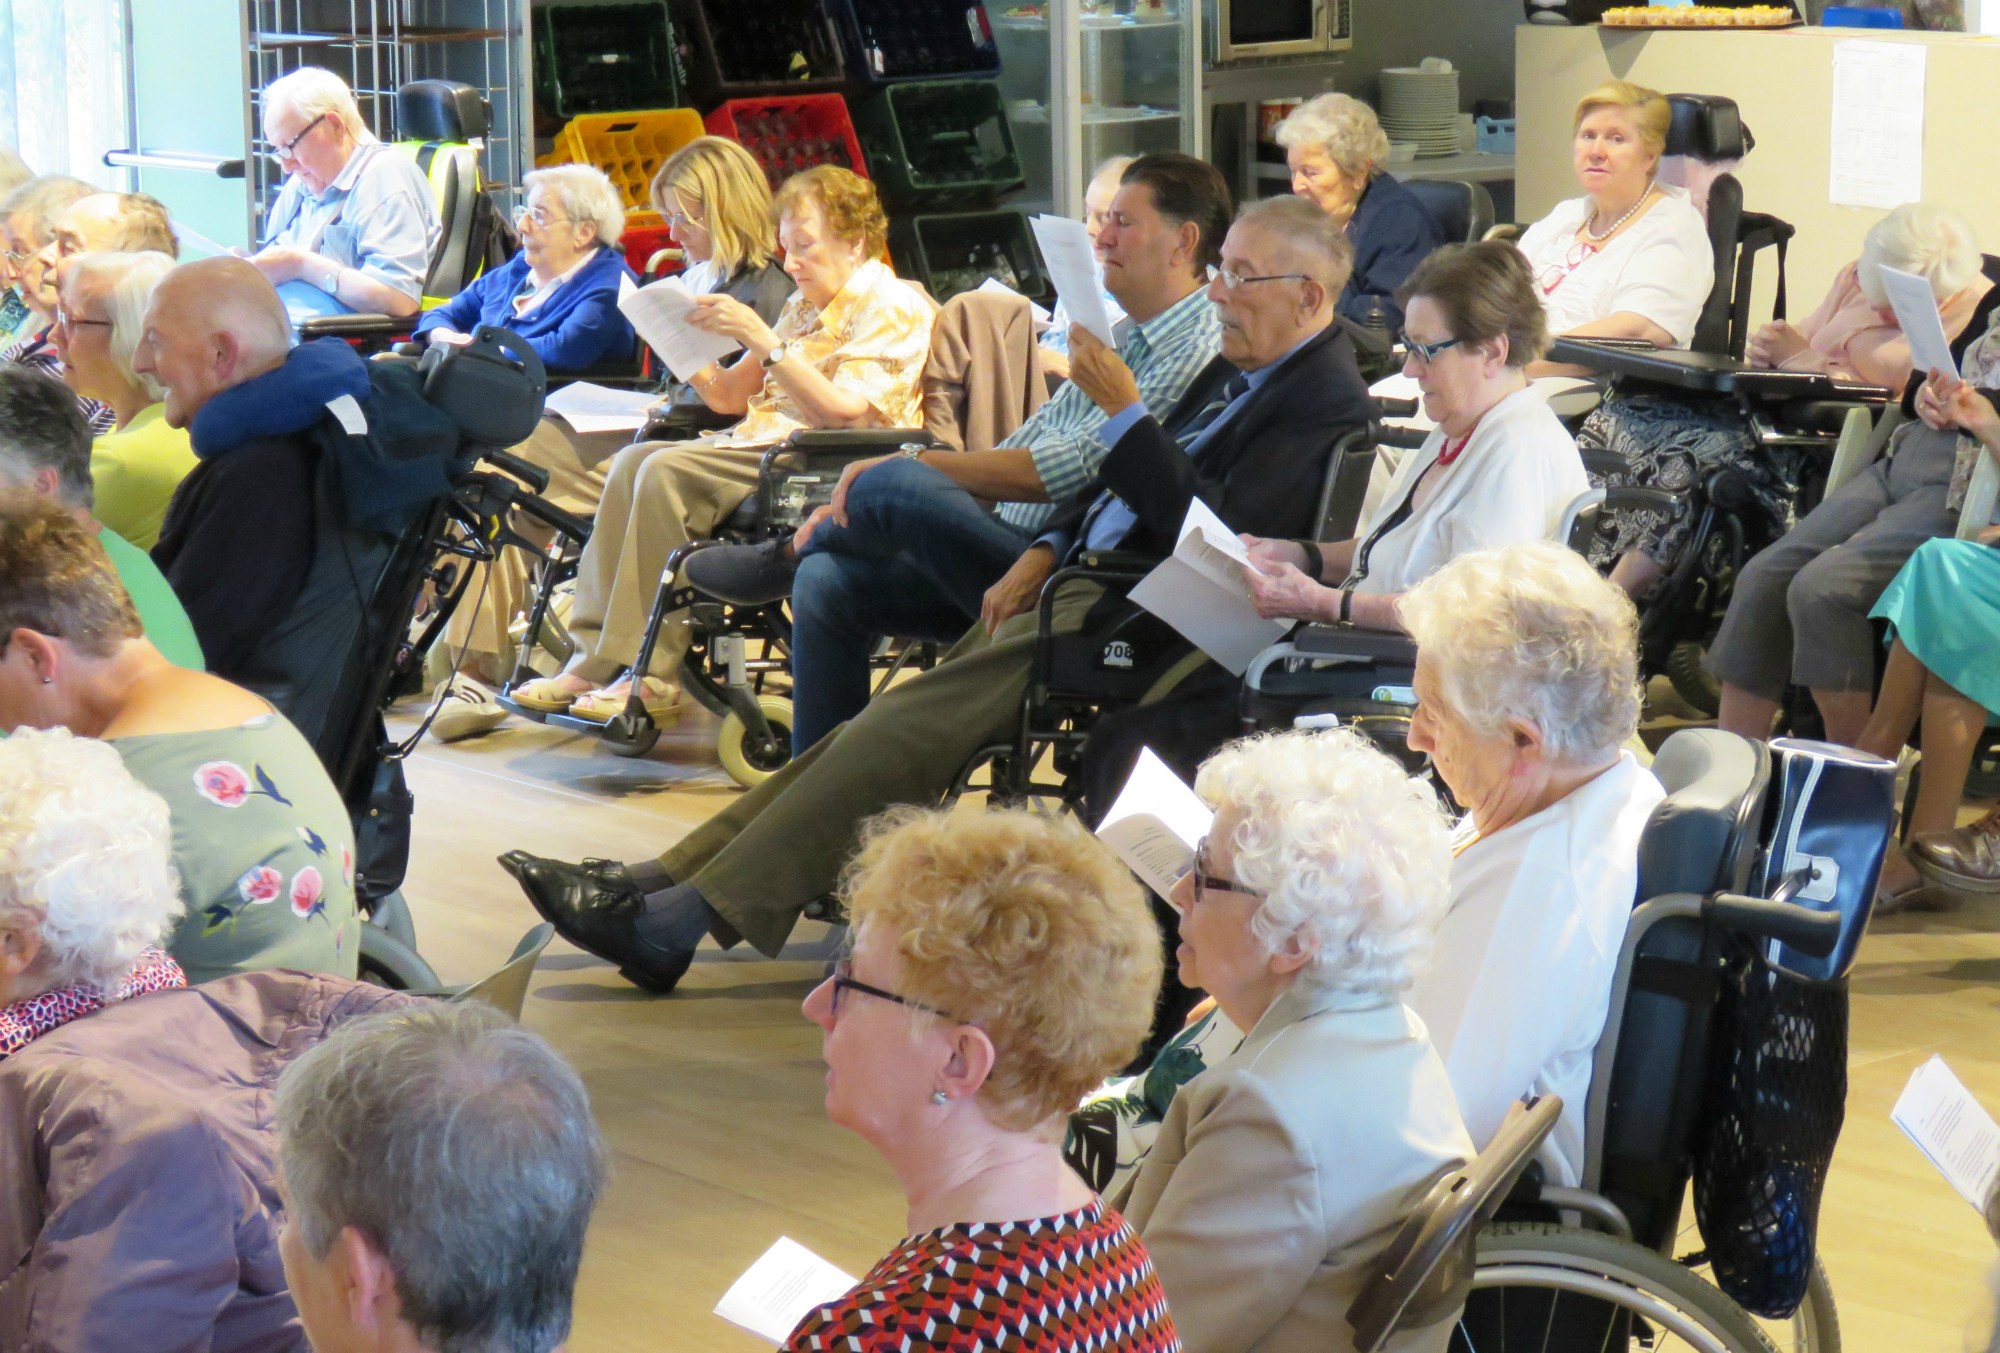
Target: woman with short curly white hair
point(87, 887)
point(1281, 1171)
point(1338, 153)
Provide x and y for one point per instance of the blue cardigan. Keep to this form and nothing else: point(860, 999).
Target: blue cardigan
point(573, 330)
point(1391, 234)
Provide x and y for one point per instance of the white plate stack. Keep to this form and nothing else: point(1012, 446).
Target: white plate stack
point(1420, 106)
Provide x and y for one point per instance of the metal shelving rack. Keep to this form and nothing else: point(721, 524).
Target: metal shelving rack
point(377, 45)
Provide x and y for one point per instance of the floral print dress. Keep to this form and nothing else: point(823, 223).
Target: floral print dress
point(263, 845)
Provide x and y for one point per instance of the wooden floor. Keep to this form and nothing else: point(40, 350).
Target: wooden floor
point(710, 1099)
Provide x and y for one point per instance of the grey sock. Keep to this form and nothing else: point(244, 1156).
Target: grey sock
point(676, 919)
point(649, 877)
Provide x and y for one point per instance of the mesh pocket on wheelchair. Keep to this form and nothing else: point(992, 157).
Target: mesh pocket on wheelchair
point(1774, 1108)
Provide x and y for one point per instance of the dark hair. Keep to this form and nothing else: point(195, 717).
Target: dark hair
point(1486, 292)
point(41, 428)
point(1186, 189)
point(56, 579)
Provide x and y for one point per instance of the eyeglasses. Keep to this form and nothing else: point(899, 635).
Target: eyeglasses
point(1205, 882)
point(69, 321)
point(1426, 353)
point(540, 216)
point(1232, 280)
point(844, 981)
point(284, 149)
point(678, 221)
point(1555, 274)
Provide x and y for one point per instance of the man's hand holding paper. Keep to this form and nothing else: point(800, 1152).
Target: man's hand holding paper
point(1101, 373)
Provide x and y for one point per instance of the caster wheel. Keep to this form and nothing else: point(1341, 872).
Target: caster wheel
point(750, 765)
point(630, 735)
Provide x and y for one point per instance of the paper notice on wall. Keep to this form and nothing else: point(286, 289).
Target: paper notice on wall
point(1878, 124)
point(1948, 1125)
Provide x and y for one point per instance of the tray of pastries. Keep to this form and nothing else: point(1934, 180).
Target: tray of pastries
point(1700, 16)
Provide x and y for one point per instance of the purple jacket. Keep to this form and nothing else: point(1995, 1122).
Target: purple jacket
point(137, 1203)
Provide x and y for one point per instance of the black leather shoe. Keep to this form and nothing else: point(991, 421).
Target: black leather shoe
point(743, 575)
point(595, 906)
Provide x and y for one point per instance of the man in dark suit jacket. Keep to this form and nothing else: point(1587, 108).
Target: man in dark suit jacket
point(1251, 438)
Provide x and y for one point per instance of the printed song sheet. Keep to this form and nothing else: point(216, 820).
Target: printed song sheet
point(1199, 590)
point(1916, 310)
point(1878, 124)
point(659, 312)
point(780, 1289)
point(1155, 824)
point(1072, 266)
point(598, 408)
point(1948, 1125)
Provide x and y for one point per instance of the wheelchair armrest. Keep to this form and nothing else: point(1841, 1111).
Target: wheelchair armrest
point(1829, 416)
point(1351, 641)
point(1115, 563)
point(1409, 439)
point(356, 326)
point(855, 441)
point(1111, 569)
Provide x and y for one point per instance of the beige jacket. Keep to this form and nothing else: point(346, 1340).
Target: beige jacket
point(1282, 1171)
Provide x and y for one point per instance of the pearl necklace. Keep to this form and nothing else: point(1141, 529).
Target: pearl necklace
point(1596, 238)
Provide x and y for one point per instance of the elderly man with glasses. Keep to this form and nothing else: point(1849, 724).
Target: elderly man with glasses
point(354, 221)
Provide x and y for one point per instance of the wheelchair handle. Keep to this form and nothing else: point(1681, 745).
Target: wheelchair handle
point(1810, 932)
point(1395, 408)
point(534, 476)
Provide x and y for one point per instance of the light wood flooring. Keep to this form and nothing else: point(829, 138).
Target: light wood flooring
point(710, 1099)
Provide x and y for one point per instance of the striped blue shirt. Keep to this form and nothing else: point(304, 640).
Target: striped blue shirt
point(1066, 435)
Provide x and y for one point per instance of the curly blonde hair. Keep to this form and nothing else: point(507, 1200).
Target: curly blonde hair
point(852, 209)
point(1026, 926)
point(1531, 633)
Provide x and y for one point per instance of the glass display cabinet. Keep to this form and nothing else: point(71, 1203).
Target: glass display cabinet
point(1087, 79)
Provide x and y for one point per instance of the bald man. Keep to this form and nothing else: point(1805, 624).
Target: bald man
point(101, 223)
point(243, 538)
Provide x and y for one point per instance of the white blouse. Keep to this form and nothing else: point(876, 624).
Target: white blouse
point(1510, 484)
point(1660, 267)
point(1520, 981)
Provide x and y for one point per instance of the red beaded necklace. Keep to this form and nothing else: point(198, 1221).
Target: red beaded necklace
point(1454, 449)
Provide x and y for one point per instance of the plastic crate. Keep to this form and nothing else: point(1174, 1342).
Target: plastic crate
point(953, 253)
point(603, 58)
point(629, 148)
point(890, 40)
point(940, 143)
point(786, 135)
point(727, 49)
point(640, 244)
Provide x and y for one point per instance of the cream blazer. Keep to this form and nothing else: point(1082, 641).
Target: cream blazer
point(1282, 1171)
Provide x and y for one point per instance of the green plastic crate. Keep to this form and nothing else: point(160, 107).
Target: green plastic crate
point(938, 143)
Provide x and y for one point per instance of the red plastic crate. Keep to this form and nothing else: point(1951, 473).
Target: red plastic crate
point(786, 135)
point(640, 243)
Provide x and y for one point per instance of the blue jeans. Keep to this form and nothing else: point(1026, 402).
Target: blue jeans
point(914, 560)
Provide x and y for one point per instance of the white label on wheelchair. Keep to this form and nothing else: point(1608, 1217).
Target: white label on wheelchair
point(348, 410)
point(1395, 695)
point(1825, 881)
point(1117, 653)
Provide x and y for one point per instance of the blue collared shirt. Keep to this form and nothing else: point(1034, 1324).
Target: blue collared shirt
point(378, 216)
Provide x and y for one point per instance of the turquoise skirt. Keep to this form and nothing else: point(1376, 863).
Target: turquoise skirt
point(1945, 607)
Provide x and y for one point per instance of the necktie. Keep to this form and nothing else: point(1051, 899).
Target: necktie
point(1110, 520)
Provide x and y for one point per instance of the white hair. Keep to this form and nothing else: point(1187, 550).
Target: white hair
point(313, 90)
point(86, 857)
point(1531, 633)
point(585, 196)
point(127, 281)
point(1936, 243)
point(1341, 126)
point(1352, 857)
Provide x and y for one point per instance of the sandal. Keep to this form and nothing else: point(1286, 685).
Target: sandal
point(544, 695)
point(662, 701)
point(1915, 894)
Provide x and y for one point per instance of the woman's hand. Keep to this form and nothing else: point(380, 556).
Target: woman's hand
point(1284, 593)
point(1946, 404)
point(1267, 555)
point(1775, 344)
point(729, 317)
point(1100, 373)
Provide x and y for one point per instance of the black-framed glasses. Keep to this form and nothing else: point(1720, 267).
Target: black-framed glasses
point(284, 149)
point(1427, 352)
point(1206, 882)
point(844, 980)
point(1232, 279)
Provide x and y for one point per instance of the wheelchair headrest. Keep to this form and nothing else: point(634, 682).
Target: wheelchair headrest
point(441, 110)
point(1703, 834)
point(1708, 127)
point(1462, 210)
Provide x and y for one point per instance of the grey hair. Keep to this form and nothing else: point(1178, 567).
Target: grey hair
point(1344, 128)
point(14, 170)
point(127, 280)
point(1352, 857)
point(1936, 243)
point(40, 201)
point(41, 428)
point(1531, 633)
point(462, 1148)
point(1315, 242)
point(86, 858)
point(585, 196)
point(313, 90)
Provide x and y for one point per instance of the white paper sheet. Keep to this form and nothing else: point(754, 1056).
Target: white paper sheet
point(659, 312)
point(1199, 590)
point(1916, 310)
point(1155, 824)
point(597, 408)
point(1072, 266)
point(1038, 316)
point(780, 1289)
point(195, 241)
point(1877, 125)
point(1948, 1125)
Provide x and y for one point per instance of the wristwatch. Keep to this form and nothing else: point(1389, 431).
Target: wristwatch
point(911, 451)
point(775, 356)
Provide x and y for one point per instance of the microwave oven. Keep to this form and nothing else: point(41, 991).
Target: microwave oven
point(1254, 30)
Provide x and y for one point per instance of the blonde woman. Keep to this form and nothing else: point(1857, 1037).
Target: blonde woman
point(1337, 153)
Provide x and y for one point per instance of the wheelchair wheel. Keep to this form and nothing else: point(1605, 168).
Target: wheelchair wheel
point(388, 962)
point(1548, 1287)
point(1691, 680)
point(1813, 1328)
point(747, 763)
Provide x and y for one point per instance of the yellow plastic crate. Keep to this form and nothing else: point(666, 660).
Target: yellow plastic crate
point(629, 148)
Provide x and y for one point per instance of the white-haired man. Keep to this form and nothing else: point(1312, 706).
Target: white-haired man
point(354, 220)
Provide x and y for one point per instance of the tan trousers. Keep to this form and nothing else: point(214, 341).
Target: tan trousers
point(575, 462)
point(657, 497)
